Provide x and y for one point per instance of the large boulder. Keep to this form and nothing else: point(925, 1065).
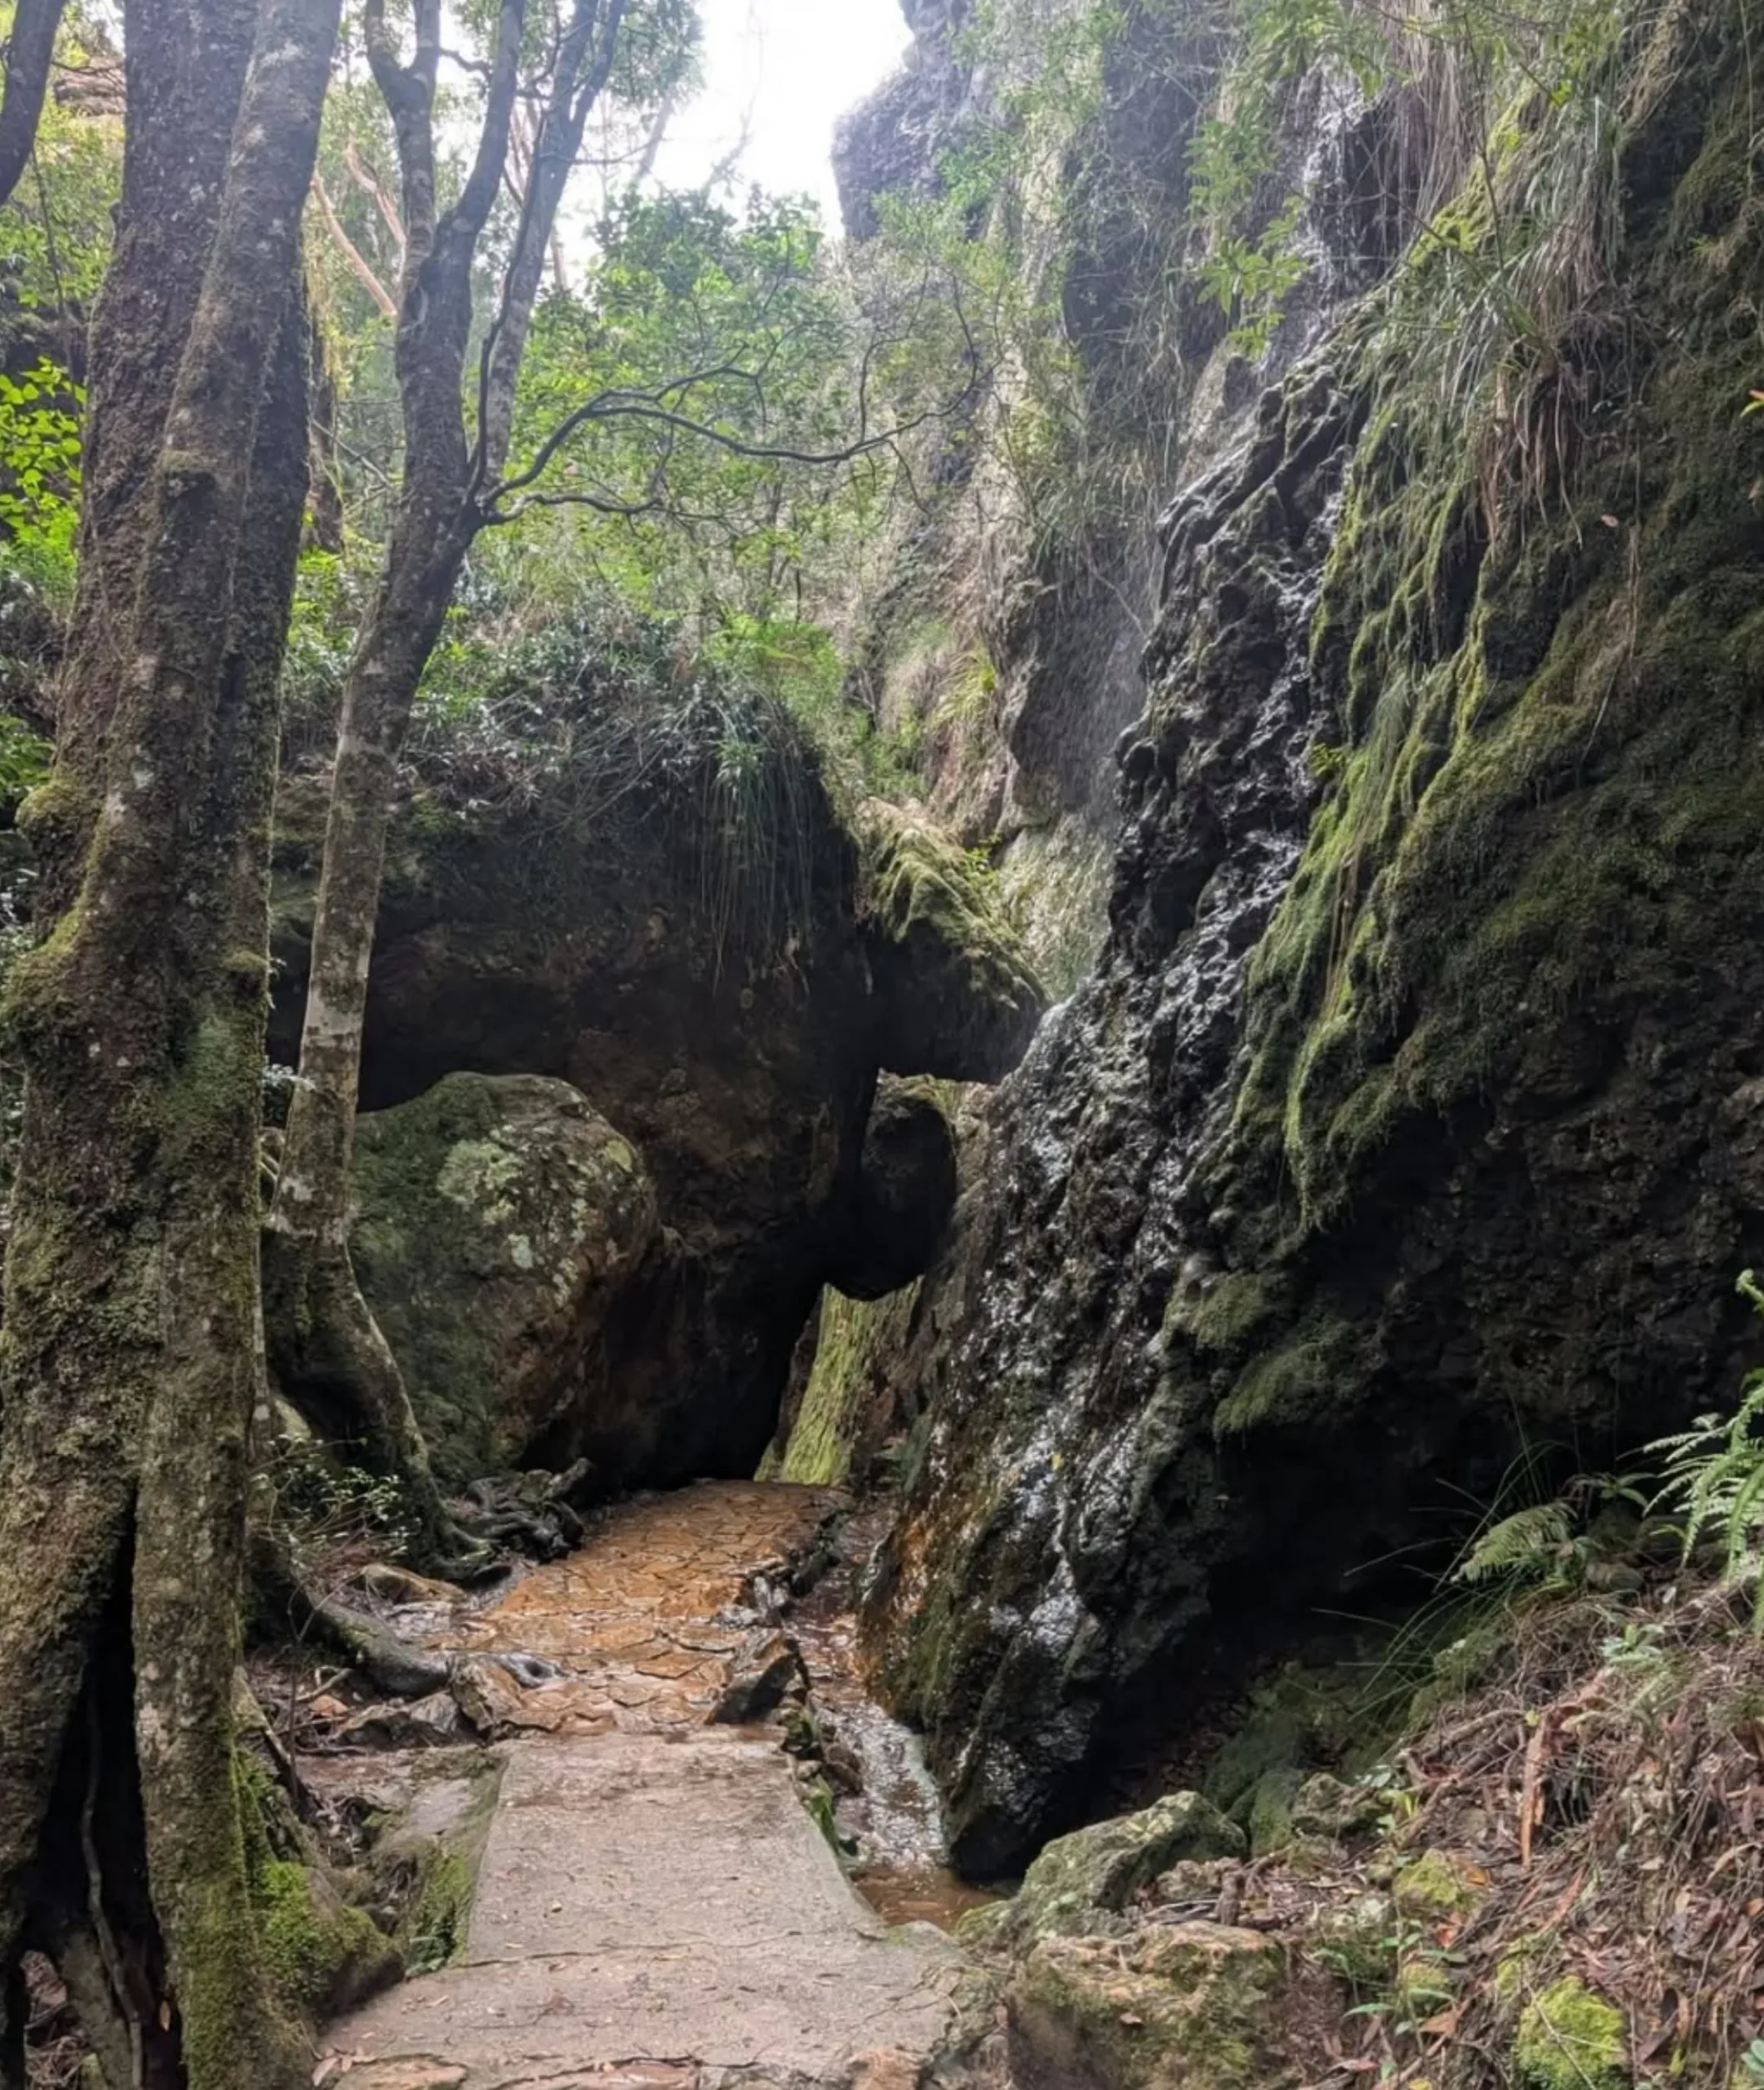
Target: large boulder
point(654, 898)
point(957, 996)
point(1193, 2006)
point(497, 1219)
point(906, 1193)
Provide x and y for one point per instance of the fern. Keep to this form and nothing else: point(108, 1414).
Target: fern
point(1713, 1477)
point(1532, 1540)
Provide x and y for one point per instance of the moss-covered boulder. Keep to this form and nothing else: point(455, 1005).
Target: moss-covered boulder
point(498, 1219)
point(1082, 1883)
point(1190, 2006)
point(638, 882)
point(958, 997)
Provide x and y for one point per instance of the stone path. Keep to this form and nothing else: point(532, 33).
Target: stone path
point(655, 1906)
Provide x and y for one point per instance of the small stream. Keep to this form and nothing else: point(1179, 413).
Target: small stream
point(894, 1817)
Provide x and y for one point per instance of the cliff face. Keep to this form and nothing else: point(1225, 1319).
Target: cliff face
point(1413, 1116)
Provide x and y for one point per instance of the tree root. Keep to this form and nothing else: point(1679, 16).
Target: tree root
point(391, 1664)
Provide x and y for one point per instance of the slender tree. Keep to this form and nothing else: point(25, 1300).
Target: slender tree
point(325, 1345)
point(127, 1364)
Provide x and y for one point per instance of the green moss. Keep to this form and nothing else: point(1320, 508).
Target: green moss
point(1570, 2039)
point(857, 1343)
point(311, 1942)
point(1270, 1811)
point(1228, 1312)
point(937, 915)
point(1304, 1375)
point(489, 1211)
point(436, 1927)
point(1432, 1889)
point(319, 1951)
point(1547, 745)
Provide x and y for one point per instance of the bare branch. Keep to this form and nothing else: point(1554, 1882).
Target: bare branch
point(366, 179)
point(584, 67)
point(351, 253)
point(29, 52)
point(628, 405)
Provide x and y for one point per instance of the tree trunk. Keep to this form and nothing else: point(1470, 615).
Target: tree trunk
point(325, 1347)
point(30, 51)
point(127, 1360)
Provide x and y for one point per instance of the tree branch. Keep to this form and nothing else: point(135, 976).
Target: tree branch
point(628, 405)
point(351, 253)
point(365, 179)
point(471, 213)
point(29, 52)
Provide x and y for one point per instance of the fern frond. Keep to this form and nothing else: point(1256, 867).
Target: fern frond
point(1523, 1544)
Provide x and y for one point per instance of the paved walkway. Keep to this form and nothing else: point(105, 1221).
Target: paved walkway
point(656, 1908)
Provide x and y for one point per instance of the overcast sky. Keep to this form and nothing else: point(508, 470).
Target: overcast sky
point(797, 65)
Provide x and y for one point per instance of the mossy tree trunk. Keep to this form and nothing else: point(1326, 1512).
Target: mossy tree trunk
point(325, 1347)
point(127, 1365)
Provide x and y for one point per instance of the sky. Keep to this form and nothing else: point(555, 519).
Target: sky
point(796, 66)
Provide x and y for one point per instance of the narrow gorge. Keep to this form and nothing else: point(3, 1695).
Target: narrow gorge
point(939, 1275)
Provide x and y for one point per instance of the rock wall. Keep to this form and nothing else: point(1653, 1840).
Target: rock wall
point(1413, 1114)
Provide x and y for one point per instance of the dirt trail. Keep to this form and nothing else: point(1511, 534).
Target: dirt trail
point(655, 1905)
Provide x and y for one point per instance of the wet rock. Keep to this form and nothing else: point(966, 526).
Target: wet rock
point(906, 1194)
point(1406, 1119)
point(1185, 2007)
point(497, 1220)
point(429, 1723)
point(763, 1673)
point(1082, 1883)
point(893, 143)
point(957, 996)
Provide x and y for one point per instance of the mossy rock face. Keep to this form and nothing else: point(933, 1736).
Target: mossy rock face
point(1411, 1116)
point(848, 1403)
point(1570, 2039)
point(960, 998)
point(1187, 2007)
point(497, 1220)
point(1082, 1883)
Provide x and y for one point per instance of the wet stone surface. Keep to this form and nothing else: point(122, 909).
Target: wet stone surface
point(656, 1904)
